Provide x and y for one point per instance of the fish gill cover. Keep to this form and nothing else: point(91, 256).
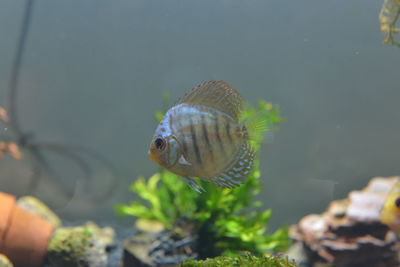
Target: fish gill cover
point(226, 221)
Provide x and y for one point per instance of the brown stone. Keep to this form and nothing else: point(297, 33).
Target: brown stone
point(349, 233)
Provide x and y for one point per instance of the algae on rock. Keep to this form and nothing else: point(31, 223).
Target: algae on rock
point(76, 246)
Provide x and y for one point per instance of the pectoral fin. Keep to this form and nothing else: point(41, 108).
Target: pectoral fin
point(183, 161)
point(195, 186)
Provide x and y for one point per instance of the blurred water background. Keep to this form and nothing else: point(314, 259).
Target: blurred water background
point(95, 71)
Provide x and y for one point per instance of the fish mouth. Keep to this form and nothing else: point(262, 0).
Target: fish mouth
point(153, 156)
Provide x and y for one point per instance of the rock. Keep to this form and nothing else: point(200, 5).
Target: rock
point(349, 232)
point(4, 261)
point(165, 248)
point(37, 207)
point(149, 225)
point(171, 248)
point(106, 235)
point(114, 250)
point(76, 246)
point(136, 250)
point(296, 253)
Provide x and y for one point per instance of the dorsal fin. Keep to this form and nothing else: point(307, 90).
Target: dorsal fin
point(216, 93)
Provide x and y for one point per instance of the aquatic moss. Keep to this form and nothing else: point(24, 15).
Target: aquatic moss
point(242, 261)
point(225, 220)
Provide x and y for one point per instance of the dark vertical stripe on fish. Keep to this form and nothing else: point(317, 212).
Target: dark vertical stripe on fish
point(183, 141)
point(228, 131)
point(205, 134)
point(194, 139)
point(218, 136)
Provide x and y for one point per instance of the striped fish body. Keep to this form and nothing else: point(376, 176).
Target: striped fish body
point(210, 139)
point(200, 136)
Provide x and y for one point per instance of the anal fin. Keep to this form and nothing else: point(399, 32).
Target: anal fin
point(238, 171)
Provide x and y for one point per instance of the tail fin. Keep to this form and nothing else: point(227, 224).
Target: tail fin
point(256, 127)
point(261, 121)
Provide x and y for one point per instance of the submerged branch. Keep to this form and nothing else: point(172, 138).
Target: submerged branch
point(20, 140)
point(16, 67)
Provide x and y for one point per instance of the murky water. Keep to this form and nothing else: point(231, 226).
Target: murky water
point(94, 73)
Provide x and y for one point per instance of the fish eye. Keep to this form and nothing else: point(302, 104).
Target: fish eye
point(160, 144)
point(397, 202)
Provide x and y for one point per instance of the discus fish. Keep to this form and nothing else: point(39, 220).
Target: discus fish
point(201, 136)
point(390, 214)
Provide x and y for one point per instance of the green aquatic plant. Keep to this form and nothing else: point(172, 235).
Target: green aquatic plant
point(246, 260)
point(226, 220)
